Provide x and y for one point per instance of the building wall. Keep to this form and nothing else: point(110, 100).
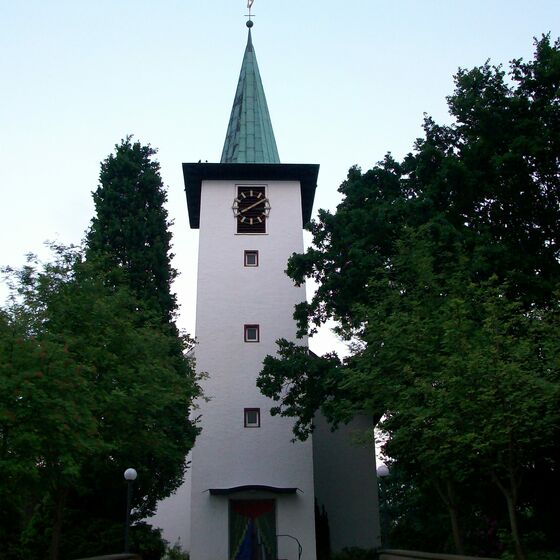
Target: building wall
point(173, 514)
point(229, 296)
point(346, 483)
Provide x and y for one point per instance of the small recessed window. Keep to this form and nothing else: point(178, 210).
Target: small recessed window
point(251, 258)
point(251, 333)
point(252, 418)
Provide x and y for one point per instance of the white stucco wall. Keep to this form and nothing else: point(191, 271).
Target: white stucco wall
point(346, 483)
point(330, 467)
point(173, 515)
point(229, 296)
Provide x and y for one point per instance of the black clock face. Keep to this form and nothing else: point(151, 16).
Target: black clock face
point(250, 209)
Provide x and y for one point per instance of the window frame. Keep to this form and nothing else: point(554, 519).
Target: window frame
point(245, 333)
point(246, 254)
point(246, 423)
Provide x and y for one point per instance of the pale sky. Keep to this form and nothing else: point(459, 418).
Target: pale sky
point(346, 82)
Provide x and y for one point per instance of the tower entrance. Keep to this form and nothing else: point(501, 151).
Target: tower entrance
point(252, 530)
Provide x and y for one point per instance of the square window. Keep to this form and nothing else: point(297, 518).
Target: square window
point(252, 418)
point(251, 258)
point(251, 333)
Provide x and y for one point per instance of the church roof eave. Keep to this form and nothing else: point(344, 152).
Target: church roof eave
point(195, 173)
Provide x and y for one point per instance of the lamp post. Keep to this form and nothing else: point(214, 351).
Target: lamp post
point(300, 548)
point(130, 476)
point(382, 474)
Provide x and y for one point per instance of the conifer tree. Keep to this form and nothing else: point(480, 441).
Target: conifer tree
point(130, 228)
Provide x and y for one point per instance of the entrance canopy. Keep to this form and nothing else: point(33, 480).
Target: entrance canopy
point(251, 488)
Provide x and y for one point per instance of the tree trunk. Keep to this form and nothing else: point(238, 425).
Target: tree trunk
point(512, 512)
point(511, 499)
point(456, 529)
point(454, 515)
point(60, 499)
point(449, 499)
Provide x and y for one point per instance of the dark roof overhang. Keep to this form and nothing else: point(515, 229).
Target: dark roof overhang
point(251, 488)
point(195, 173)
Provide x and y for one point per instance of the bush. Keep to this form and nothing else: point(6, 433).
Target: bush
point(176, 553)
point(147, 541)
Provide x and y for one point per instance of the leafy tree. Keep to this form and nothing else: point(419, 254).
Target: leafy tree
point(443, 271)
point(130, 239)
point(90, 386)
point(47, 425)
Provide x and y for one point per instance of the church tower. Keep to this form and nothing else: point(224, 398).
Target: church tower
point(252, 493)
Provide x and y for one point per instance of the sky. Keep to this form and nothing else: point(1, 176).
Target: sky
point(346, 82)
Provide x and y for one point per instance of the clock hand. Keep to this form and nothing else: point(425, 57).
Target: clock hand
point(252, 206)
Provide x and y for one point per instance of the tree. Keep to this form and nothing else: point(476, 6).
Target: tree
point(129, 236)
point(90, 386)
point(47, 424)
point(103, 317)
point(443, 270)
point(130, 227)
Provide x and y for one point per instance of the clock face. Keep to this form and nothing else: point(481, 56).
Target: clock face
point(250, 209)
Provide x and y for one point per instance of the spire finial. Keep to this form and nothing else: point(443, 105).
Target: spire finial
point(249, 15)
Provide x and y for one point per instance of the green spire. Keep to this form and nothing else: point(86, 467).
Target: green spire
point(250, 138)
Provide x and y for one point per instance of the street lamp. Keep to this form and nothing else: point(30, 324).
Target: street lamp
point(130, 476)
point(382, 471)
point(382, 474)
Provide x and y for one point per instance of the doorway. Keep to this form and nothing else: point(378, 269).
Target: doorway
point(252, 530)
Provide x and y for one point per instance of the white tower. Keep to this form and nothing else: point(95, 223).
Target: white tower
point(251, 489)
point(250, 481)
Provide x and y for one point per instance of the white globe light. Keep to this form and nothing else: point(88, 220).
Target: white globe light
point(130, 474)
point(382, 471)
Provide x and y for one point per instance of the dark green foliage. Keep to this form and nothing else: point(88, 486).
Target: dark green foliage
point(130, 242)
point(175, 552)
point(444, 271)
point(130, 228)
point(147, 541)
point(492, 178)
point(89, 387)
point(411, 518)
point(310, 378)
